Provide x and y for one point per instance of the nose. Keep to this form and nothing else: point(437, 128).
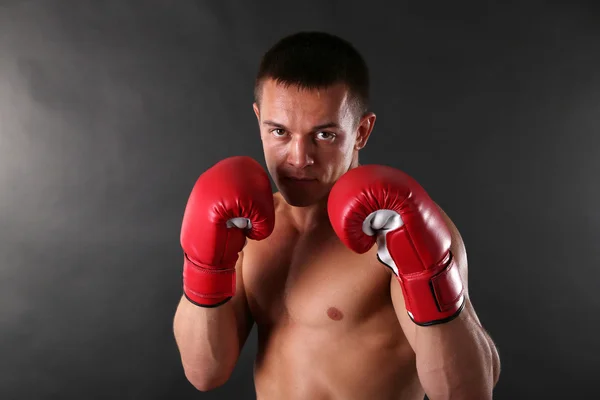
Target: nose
point(300, 152)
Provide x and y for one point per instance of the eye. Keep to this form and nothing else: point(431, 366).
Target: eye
point(278, 132)
point(326, 135)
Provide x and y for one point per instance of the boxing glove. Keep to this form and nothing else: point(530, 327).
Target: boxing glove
point(230, 202)
point(375, 204)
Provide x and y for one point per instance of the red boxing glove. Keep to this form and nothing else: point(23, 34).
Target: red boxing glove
point(379, 204)
point(230, 202)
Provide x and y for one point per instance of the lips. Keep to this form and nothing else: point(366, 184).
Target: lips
point(299, 179)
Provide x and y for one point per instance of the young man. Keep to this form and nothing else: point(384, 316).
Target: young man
point(333, 322)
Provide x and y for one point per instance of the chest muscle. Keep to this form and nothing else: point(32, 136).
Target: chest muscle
point(313, 280)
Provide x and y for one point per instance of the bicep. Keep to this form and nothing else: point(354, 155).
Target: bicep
point(243, 315)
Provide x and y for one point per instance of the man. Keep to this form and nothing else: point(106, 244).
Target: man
point(355, 279)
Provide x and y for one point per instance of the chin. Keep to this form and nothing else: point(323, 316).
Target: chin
point(300, 194)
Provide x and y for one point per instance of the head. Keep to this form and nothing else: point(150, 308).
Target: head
point(311, 101)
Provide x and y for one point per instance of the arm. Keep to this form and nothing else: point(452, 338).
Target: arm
point(376, 204)
point(456, 359)
point(210, 339)
point(229, 204)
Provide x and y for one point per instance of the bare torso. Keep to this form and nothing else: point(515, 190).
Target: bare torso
point(327, 328)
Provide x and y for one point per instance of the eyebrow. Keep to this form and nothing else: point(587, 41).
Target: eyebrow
point(314, 128)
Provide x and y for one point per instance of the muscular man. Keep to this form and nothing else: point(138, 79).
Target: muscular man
point(355, 278)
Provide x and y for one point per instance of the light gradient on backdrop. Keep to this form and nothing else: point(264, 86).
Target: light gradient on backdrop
point(110, 110)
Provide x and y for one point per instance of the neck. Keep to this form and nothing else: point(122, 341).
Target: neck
point(310, 217)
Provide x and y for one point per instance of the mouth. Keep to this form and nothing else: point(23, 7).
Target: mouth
point(295, 179)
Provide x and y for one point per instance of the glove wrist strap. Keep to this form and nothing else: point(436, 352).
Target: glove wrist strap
point(434, 296)
point(207, 286)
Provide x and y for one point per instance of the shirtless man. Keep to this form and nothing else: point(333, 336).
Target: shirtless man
point(355, 278)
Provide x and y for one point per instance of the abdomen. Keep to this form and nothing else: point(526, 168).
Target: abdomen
point(372, 360)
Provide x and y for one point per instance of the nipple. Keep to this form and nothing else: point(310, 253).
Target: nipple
point(334, 314)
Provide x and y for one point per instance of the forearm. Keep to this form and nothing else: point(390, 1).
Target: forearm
point(208, 342)
point(457, 360)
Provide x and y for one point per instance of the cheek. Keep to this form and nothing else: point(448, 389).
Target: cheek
point(274, 152)
point(337, 159)
point(345, 146)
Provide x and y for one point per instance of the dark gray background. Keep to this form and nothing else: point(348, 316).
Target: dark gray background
point(111, 109)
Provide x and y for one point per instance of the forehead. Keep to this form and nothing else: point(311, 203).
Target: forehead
point(310, 105)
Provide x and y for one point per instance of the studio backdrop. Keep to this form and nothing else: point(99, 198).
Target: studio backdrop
point(110, 110)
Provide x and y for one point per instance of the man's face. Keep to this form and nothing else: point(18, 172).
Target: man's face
point(310, 138)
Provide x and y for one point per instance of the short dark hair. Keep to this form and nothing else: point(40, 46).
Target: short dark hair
point(313, 60)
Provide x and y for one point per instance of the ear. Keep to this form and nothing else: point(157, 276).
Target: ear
point(256, 111)
point(365, 127)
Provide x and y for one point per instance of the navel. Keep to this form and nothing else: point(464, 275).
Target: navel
point(334, 314)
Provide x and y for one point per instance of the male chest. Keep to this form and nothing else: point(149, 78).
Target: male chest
point(313, 280)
